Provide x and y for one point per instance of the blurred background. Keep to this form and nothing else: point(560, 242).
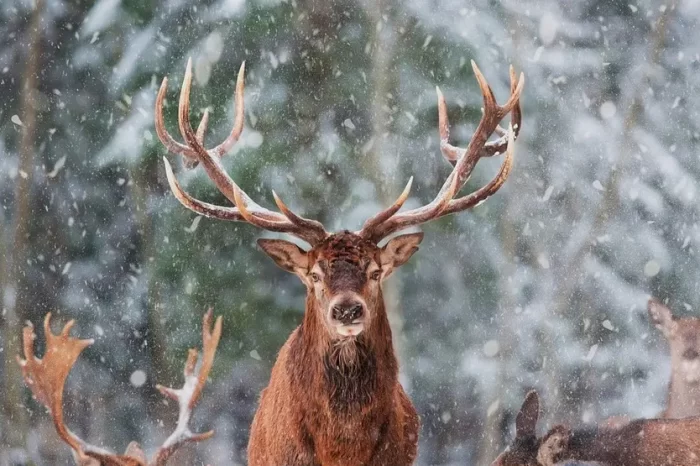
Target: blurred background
point(544, 285)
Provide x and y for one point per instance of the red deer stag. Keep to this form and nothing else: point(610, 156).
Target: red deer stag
point(334, 397)
point(46, 378)
point(683, 337)
point(642, 442)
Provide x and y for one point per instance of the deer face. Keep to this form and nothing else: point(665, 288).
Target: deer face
point(683, 336)
point(343, 276)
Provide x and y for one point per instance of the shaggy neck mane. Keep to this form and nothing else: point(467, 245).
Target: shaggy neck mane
point(349, 373)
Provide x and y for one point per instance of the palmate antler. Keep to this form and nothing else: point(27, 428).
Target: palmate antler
point(46, 378)
point(383, 223)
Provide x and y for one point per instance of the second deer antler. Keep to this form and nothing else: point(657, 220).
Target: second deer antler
point(46, 378)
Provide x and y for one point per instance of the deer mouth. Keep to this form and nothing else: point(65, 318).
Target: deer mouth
point(352, 329)
point(347, 314)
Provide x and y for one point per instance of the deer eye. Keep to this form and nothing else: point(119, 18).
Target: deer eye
point(315, 277)
point(376, 275)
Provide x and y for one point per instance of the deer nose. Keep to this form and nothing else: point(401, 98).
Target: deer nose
point(690, 354)
point(347, 312)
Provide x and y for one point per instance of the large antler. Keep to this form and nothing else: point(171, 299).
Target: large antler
point(245, 208)
point(46, 378)
point(388, 221)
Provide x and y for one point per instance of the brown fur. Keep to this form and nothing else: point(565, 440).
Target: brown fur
point(683, 336)
point(334, 401)
point(643, 442)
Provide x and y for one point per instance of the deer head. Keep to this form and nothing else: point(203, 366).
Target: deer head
point(523, 450)
point(683, 337)
point(343, 271)
point(641, 442)
point(529, 450)
point(343, 274)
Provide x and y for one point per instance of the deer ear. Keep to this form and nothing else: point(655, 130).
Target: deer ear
point(526, 420)
point(398, 251)
point(287, 255)
point(662, 317)
point(554, 445)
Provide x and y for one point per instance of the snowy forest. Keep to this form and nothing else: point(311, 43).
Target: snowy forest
point(544, 285)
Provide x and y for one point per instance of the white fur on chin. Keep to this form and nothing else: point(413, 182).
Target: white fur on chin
point(351, 330)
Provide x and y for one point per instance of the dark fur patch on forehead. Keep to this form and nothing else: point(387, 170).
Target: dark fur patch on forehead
point(346, 275)
point(347, 247)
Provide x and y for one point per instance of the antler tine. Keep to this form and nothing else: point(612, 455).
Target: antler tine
point(200, 207)
point(190, 155)
point(464, 160)
point(304, 223)
point(308, 230)
point(450, 152)
point(188, 395)
point(46, 379)
point(480, 195)
point(239, 120)
point(168, 141)
point(246, 209)
point(385, 214)
point(201, 132)
point(202, 128)
point(497, 147)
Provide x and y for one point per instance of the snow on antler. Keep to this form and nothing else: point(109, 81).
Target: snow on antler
point(188, 395)
point(46, 379)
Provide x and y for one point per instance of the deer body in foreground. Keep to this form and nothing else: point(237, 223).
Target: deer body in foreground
point(642, 442)
point(334, 397)
point(683, 336)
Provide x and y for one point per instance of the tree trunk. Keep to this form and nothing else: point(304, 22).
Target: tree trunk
point(15, 424)
point(382, 79)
